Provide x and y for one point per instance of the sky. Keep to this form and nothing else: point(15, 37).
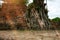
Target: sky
point(1, 2)
point(53, 8)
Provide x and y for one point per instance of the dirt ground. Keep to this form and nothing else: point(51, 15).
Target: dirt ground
point(29, 35)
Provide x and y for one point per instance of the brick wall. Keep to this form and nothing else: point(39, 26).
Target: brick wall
point(13, 13)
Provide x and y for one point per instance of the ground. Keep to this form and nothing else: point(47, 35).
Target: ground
point(29, 35)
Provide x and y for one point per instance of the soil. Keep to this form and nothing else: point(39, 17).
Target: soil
point(29, 35)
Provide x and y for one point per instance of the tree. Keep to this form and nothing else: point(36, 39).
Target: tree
point(37, 15)
point(57, 19)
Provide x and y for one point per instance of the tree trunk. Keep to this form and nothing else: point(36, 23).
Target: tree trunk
point(36, 16)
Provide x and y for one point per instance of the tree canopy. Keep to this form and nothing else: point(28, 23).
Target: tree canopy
point(57, 19)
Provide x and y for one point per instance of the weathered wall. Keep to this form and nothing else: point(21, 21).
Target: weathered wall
point(14, 1)
point(12, 13)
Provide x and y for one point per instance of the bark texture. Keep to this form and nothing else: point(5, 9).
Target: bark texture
point(37, 16)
